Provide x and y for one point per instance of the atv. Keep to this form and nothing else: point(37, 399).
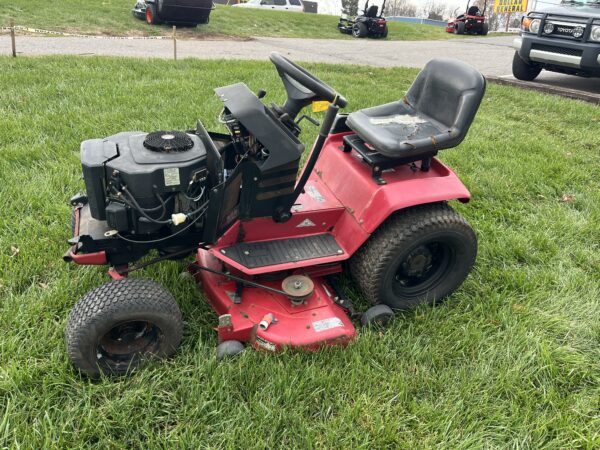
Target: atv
point(471, 22)
point(369, 24)
point(181, 12)
point(268, 246)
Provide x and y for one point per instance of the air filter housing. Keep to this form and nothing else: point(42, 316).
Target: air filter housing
point(168, 141)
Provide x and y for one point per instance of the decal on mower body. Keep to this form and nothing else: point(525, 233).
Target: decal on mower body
point(314, 193)
point(172, 176)
point(327, 324)
point(306, 223)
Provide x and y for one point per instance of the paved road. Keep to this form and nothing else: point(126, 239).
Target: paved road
point(492, 56)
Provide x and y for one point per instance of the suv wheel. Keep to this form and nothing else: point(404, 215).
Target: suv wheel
point(524, 71)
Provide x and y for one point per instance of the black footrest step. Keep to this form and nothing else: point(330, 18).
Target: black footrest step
point(281, 251)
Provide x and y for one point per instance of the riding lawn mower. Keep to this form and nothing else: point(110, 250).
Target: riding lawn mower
point(473, 21)
point(269, 246)
point(369, 24)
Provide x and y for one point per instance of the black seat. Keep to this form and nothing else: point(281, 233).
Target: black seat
point(372, 12)
point(473, 11)
point(435, 114)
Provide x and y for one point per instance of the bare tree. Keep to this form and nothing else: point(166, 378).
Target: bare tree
point(493, 19)
point(403, 8)
point(433, 10)
point(350, 7)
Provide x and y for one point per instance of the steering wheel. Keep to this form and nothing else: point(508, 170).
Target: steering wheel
point(316, 87)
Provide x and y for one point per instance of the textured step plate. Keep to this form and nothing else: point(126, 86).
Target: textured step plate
point(281, 251)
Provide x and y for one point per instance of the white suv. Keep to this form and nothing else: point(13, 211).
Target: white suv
point(283, 5)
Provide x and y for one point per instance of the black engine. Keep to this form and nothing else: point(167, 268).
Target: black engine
point(142, 190)
point(140, 183)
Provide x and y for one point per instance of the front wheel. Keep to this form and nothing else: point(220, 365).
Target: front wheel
point(460, 28)
point(485, 28)
point(420, 255)
point(524, 71)
point(114, 328)
point(151, 16)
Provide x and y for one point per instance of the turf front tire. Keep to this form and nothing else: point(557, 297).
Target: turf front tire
point(485, 28)
point(524, 71)
point(360, 30)
point(114, 328)
point(419, 255)
point(151, 16)
point(460, 28)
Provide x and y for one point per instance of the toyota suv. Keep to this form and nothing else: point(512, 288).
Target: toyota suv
point(563, 38)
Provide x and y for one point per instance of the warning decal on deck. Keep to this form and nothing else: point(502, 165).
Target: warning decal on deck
point(327, 324)
point(265, 344)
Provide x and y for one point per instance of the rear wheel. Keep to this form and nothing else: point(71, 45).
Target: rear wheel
point(117, 326)
point(385, 31)
point(485, 28)
point(360, 30)
point(524, 71)
point(460, 28)
point(420, 255)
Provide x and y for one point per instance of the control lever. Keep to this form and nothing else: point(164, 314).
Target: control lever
point(310, 119)
point(289, 122)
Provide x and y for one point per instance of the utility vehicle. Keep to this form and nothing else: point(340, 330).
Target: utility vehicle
point(268, 246)
point(563, 38)
point(370, 24)
point(471, 22)
point(182, 12)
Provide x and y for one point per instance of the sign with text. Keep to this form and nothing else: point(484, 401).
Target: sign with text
point(510, 6)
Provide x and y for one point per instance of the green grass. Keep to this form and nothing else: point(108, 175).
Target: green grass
point(511, 360)
point(113, 17)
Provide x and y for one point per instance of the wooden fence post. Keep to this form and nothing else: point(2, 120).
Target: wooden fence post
point(12, 38)
point(175, 42)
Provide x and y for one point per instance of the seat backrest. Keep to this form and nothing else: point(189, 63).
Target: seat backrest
point(372, 11)
point(473, 11)
point(448, 91)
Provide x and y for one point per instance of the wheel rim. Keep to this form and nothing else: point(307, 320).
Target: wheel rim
point(128, 340)
point(422, 269)
point(149, 15)
point(355, 31)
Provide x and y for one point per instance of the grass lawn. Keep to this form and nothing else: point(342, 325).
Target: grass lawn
point(511, 360)
point(114, 17)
